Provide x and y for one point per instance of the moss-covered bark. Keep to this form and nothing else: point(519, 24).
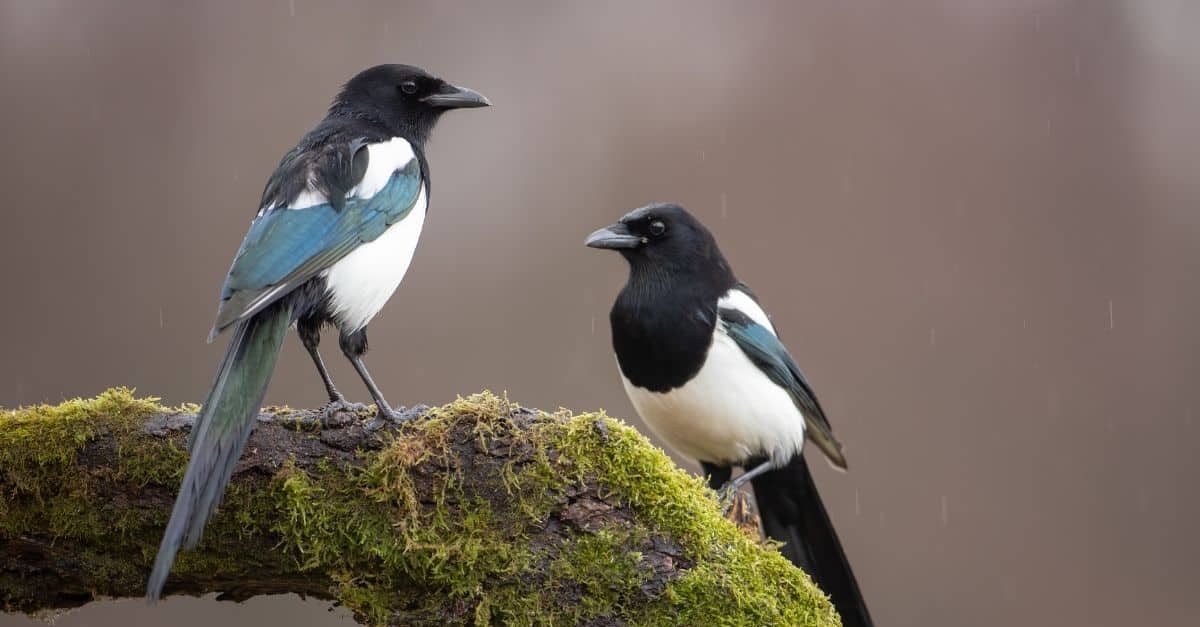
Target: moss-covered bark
point(480, 513)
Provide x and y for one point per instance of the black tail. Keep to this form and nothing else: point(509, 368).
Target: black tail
point(220, 433)
point(792, 513)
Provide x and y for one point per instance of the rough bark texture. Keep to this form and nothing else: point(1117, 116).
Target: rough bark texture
point(481, 512)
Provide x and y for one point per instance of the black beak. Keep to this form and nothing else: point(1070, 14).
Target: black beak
point(613, 237)
point(454, 97)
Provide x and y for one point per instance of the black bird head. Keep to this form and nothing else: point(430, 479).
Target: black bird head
point(405, 99)
point(664, 238)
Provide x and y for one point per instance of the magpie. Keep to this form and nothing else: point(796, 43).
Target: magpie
point(335, 231)
point(704, 368)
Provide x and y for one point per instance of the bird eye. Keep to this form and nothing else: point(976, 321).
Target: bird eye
point(657, 228)
point(408, 87)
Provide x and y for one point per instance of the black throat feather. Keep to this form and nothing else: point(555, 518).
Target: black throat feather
point(664, 317)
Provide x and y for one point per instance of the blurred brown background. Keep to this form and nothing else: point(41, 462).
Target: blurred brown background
point(975, 221)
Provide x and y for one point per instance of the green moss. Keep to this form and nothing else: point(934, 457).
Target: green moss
point(453, 547)
point(735, 580)
point(470, 553)
point(41, 441)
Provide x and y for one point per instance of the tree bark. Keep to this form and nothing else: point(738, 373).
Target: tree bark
point(480, 512)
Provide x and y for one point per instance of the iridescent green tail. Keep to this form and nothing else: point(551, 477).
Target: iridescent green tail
point(221, 432)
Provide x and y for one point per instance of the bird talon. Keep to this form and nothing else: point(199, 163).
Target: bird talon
point(410, 413)
point(726, 496)
point(338, 413)
point(384, 417)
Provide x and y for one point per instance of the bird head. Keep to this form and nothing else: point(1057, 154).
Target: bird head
point(663, 235)
point(405, 99)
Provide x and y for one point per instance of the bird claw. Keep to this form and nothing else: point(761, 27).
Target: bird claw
point(395, 416)
point(726, 496)
point(338, 413)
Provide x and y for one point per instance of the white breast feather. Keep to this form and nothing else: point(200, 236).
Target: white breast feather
point(730, 411)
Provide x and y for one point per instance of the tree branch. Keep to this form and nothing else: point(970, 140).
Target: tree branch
point(481, 512)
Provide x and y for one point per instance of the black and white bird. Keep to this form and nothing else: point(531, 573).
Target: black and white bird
point(705, 370)
point(334, 234)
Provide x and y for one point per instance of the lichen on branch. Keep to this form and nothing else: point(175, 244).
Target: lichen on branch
point(479, 513)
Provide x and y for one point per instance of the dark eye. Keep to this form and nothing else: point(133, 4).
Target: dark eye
point(657, 228)
point(408, 87)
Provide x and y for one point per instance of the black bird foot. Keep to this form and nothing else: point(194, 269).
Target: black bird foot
point(340, 412)
point(396, 416)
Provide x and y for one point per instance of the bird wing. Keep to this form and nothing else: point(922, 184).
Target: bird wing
point(286, 247)
point(764, 349)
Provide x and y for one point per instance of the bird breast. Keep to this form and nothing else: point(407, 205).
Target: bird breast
point(728, 413)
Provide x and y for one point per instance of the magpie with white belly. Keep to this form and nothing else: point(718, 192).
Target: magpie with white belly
point(335, 232)
point(703, 366)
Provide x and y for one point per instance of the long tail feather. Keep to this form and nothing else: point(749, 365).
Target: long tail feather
point(221, 432)
point(792, 513)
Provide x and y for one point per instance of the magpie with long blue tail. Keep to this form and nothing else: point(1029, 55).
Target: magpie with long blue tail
point(706, 371)
point(335, 231)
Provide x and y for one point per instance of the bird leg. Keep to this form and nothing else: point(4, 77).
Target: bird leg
point(354, 345)
point(337, 410)
point(726, 494)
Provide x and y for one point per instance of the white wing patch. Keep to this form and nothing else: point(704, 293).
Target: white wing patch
point(361, 283)
point(310, 197)
point(383, 159)
point(741, 301)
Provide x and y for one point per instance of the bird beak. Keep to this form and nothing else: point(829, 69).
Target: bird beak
point(613, 237)
point(455, 97)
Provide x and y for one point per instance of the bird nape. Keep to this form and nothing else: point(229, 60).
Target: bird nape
point(704, 368)
point(335, 232)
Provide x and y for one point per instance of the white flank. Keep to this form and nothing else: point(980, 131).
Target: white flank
point(730, 411)
point(361, 283)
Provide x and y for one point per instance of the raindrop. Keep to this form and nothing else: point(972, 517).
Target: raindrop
point(161, 323)
point(1110, 315)
point(1024, 323)
point(593, 325)
point(703, 155)
point(945, 511)
point(292, 7)
point(882, 519)
point(932, 337)
point(1077, 64)
point(857, 504)
point(1143, 499)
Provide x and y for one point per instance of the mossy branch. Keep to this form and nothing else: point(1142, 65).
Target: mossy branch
point(479, 513)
